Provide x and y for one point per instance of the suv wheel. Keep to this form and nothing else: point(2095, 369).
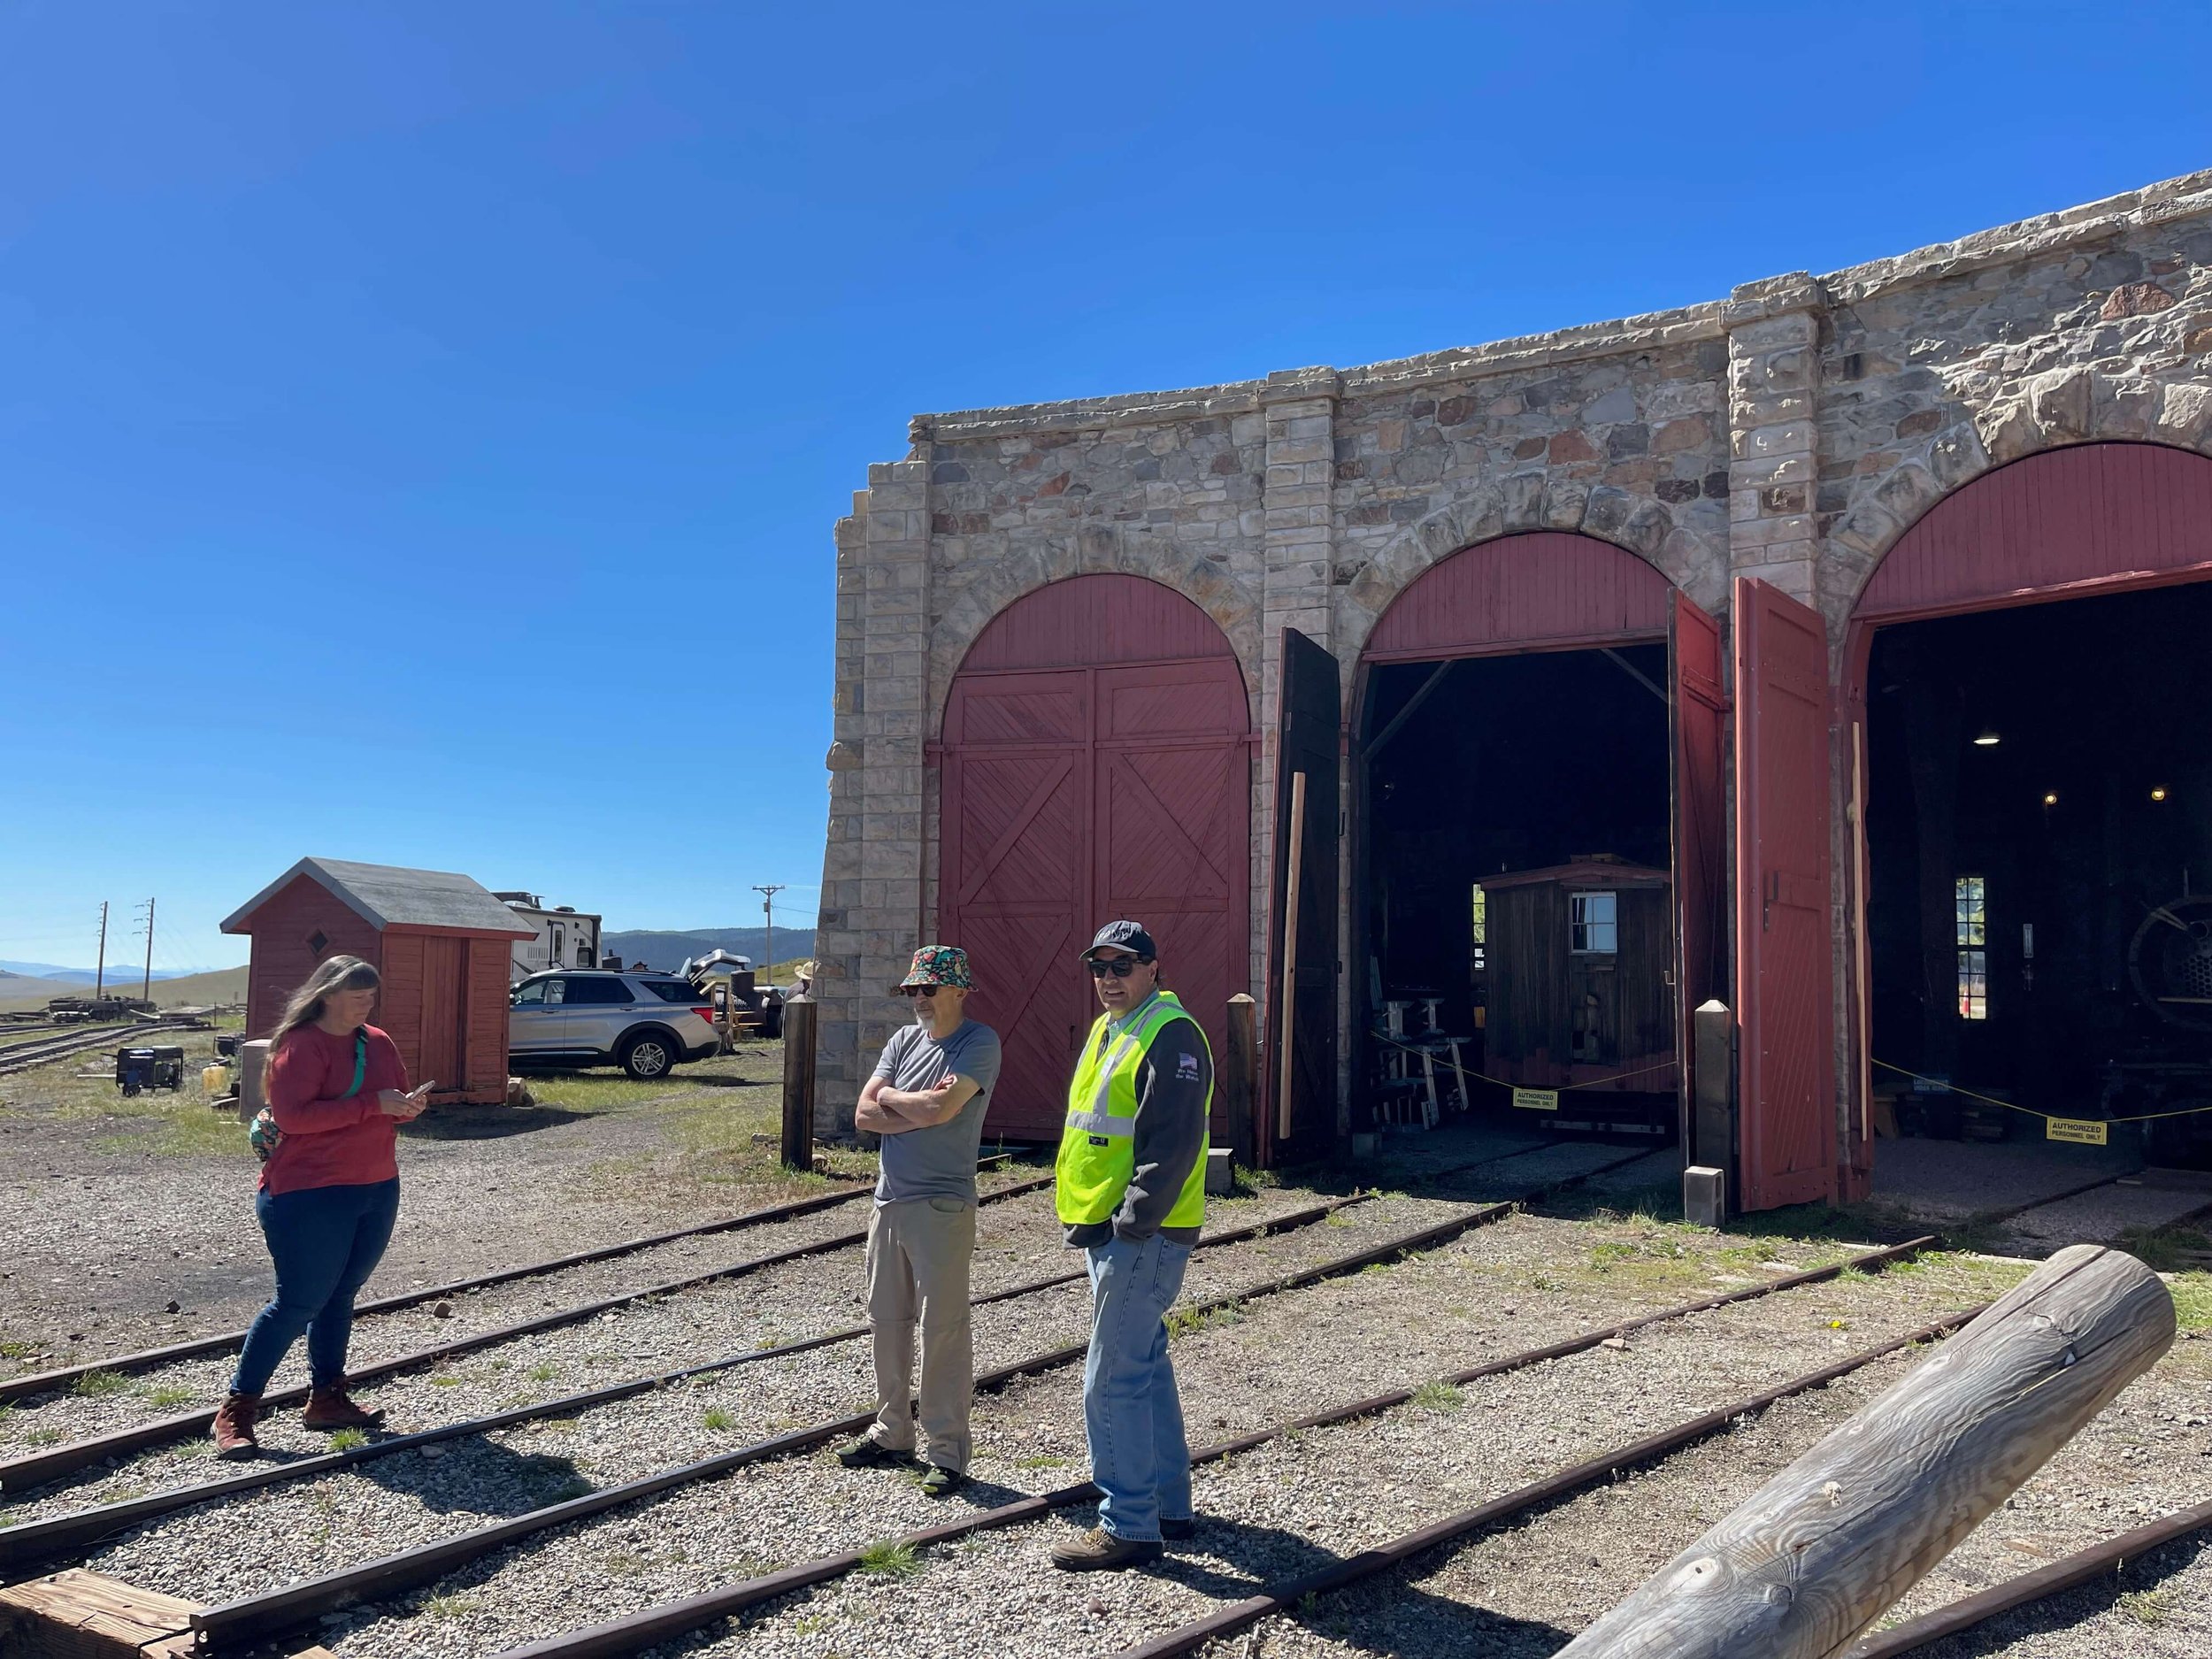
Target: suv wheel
point(650, 1055)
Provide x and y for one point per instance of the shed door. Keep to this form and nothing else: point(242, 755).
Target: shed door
point(1697, 710)
point(1015, 875)
point(1306, 744)
point(444, 1012)
point(1096, 764)
point(1784, 1001)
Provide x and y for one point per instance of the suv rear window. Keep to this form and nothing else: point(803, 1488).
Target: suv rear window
point(674, 991)
point(597, 991)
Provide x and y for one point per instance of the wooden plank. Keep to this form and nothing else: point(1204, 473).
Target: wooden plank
point(83, 1615)
point(1818, 1553)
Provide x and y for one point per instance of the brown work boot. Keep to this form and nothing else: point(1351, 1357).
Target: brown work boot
point(330, 1408)
point(233, 1425)
point(1099, 1550)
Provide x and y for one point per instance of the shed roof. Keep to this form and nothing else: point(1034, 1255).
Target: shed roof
point(1581, 872)
point(386, 896)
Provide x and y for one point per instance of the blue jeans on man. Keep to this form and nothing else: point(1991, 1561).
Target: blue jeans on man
point(325, 1242)
point(1139, 1458)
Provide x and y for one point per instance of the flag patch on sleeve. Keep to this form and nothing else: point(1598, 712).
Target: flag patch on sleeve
point(1186, 1068)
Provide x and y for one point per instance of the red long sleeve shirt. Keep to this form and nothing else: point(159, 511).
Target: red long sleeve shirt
point(327, 1141)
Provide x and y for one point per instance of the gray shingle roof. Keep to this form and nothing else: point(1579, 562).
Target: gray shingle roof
point(386, 896)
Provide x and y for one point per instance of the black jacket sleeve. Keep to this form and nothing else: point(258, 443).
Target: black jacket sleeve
point(1174, 1080)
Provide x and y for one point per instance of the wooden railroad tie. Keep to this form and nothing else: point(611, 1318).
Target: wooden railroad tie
point(83, 1615)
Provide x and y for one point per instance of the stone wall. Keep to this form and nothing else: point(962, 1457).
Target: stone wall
point(1791, 432)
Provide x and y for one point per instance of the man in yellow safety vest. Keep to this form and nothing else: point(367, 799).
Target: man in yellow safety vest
point(1132, 1192)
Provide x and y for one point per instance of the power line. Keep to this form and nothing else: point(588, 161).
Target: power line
point(768, 907)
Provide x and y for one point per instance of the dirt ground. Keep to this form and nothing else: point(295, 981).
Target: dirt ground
point(130, 1223)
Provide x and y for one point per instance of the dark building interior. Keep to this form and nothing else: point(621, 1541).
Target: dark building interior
point(1505, 764)
point(2039, 838)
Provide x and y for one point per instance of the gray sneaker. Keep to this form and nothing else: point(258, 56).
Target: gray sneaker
point(1099, 1550)
point(870, 1453)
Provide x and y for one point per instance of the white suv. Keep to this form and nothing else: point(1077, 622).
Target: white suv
point(644, 1023)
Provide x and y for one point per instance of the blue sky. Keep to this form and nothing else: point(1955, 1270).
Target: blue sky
point(421, 424)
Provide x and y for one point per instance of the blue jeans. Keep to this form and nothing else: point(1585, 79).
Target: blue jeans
point(326, 1242)
point(1131, 1415)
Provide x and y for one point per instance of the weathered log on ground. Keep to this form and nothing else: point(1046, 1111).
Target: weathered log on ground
point(1819, 1552)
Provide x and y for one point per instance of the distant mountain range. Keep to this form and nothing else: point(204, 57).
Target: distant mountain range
point(667, 950)
point(117, 969)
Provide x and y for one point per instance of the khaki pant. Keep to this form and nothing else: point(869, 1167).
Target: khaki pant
point(919, 1254)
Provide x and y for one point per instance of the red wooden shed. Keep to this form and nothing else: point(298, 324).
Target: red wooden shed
point(440, 941)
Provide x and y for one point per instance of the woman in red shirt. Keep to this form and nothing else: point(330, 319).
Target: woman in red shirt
point(337, 1093)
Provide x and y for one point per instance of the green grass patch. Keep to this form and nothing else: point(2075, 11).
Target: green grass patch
point(543, 1373)
point(346, 1439)
point(445, 1382)
point(172, 1394)
point(890, 1561)
point(1184, 1321)
point(1439, 1396)
point(1041, 1460)
point(96, 1385)
point(2167, 1249)
point(719, 1420)
point(2192, 1301)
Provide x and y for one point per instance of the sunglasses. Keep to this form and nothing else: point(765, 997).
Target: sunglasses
point(918, 990)
point(1121, 967)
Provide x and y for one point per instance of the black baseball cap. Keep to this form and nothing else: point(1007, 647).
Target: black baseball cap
point(1130, 936)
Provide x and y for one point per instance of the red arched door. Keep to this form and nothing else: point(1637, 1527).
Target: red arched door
point(1096, 764)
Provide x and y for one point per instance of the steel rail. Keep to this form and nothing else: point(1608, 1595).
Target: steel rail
point(31, 1542)
point(243, 1622)
point(645, 1629)
point(1396, 1552)
point(30, 1056)
point(19, 1474)
point(2066, 1573)
point(152, 1359)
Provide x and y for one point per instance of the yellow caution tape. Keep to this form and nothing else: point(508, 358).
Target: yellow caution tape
point(2048, 1118)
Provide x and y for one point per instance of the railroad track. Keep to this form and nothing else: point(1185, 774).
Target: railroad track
point(25, 1056)
point(45, 1541)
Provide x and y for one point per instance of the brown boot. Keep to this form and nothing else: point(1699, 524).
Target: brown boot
point(233, 1425)
point(330, 1408)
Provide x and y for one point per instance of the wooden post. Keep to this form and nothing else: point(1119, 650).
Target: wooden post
point(1240, 1080)
point(798, 1084)
point(1283, 1021)
point(1818, 1554)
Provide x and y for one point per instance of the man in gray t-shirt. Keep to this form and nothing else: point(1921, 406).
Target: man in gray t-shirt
point(927, 1100)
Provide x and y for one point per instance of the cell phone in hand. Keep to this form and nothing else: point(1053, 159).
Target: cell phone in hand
point(424, 1088)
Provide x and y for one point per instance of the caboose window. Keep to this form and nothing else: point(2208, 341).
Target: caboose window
point(1593, 923)
point(1971, 901)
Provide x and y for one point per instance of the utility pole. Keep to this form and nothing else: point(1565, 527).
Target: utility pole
point(146, 991)
point(100, 974)
point(768, 908)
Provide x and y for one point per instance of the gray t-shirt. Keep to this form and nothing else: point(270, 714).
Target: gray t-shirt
point(937, 1161)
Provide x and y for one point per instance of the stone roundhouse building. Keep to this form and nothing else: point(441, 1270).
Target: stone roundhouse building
point(1070, 680)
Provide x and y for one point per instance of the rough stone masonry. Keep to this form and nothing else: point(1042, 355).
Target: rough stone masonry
point(1790, 431)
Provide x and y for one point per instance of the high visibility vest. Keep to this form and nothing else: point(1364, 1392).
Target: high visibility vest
point(1098, 1148)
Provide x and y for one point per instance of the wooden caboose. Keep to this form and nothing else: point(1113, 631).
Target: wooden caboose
point(441, 941)
point(1577, 967)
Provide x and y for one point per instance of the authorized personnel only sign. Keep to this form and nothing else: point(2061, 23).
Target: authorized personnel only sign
point(1537, 1100)
point(2082, 1131)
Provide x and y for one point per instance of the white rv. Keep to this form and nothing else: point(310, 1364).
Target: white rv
point(566, 937)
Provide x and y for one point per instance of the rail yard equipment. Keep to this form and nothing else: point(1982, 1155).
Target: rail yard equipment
point(138, 1070)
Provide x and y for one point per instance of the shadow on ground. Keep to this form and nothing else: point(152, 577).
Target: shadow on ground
point(486, 1123)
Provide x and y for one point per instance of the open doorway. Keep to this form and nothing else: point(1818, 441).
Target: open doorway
point(1515, 905)
point(2038, 907)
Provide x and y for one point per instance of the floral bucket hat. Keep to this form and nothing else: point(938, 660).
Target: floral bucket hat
point(938, 965)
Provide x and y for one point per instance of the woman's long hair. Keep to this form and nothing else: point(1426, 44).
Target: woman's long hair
point(339, 973)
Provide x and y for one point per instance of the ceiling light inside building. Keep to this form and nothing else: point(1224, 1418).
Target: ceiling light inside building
point(2158, 794)
point(1987, 739)
point(2050, 799)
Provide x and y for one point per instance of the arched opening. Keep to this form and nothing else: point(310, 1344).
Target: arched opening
point(2024, 683)
point(1537, 881)
point(1096, 764)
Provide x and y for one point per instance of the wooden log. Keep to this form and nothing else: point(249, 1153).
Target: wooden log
point(1818, 1553)
point(1240, 1080)
point(798, 1085)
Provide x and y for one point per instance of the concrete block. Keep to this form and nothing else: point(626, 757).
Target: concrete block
point(1220, 1174)
point(1704, 1195)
